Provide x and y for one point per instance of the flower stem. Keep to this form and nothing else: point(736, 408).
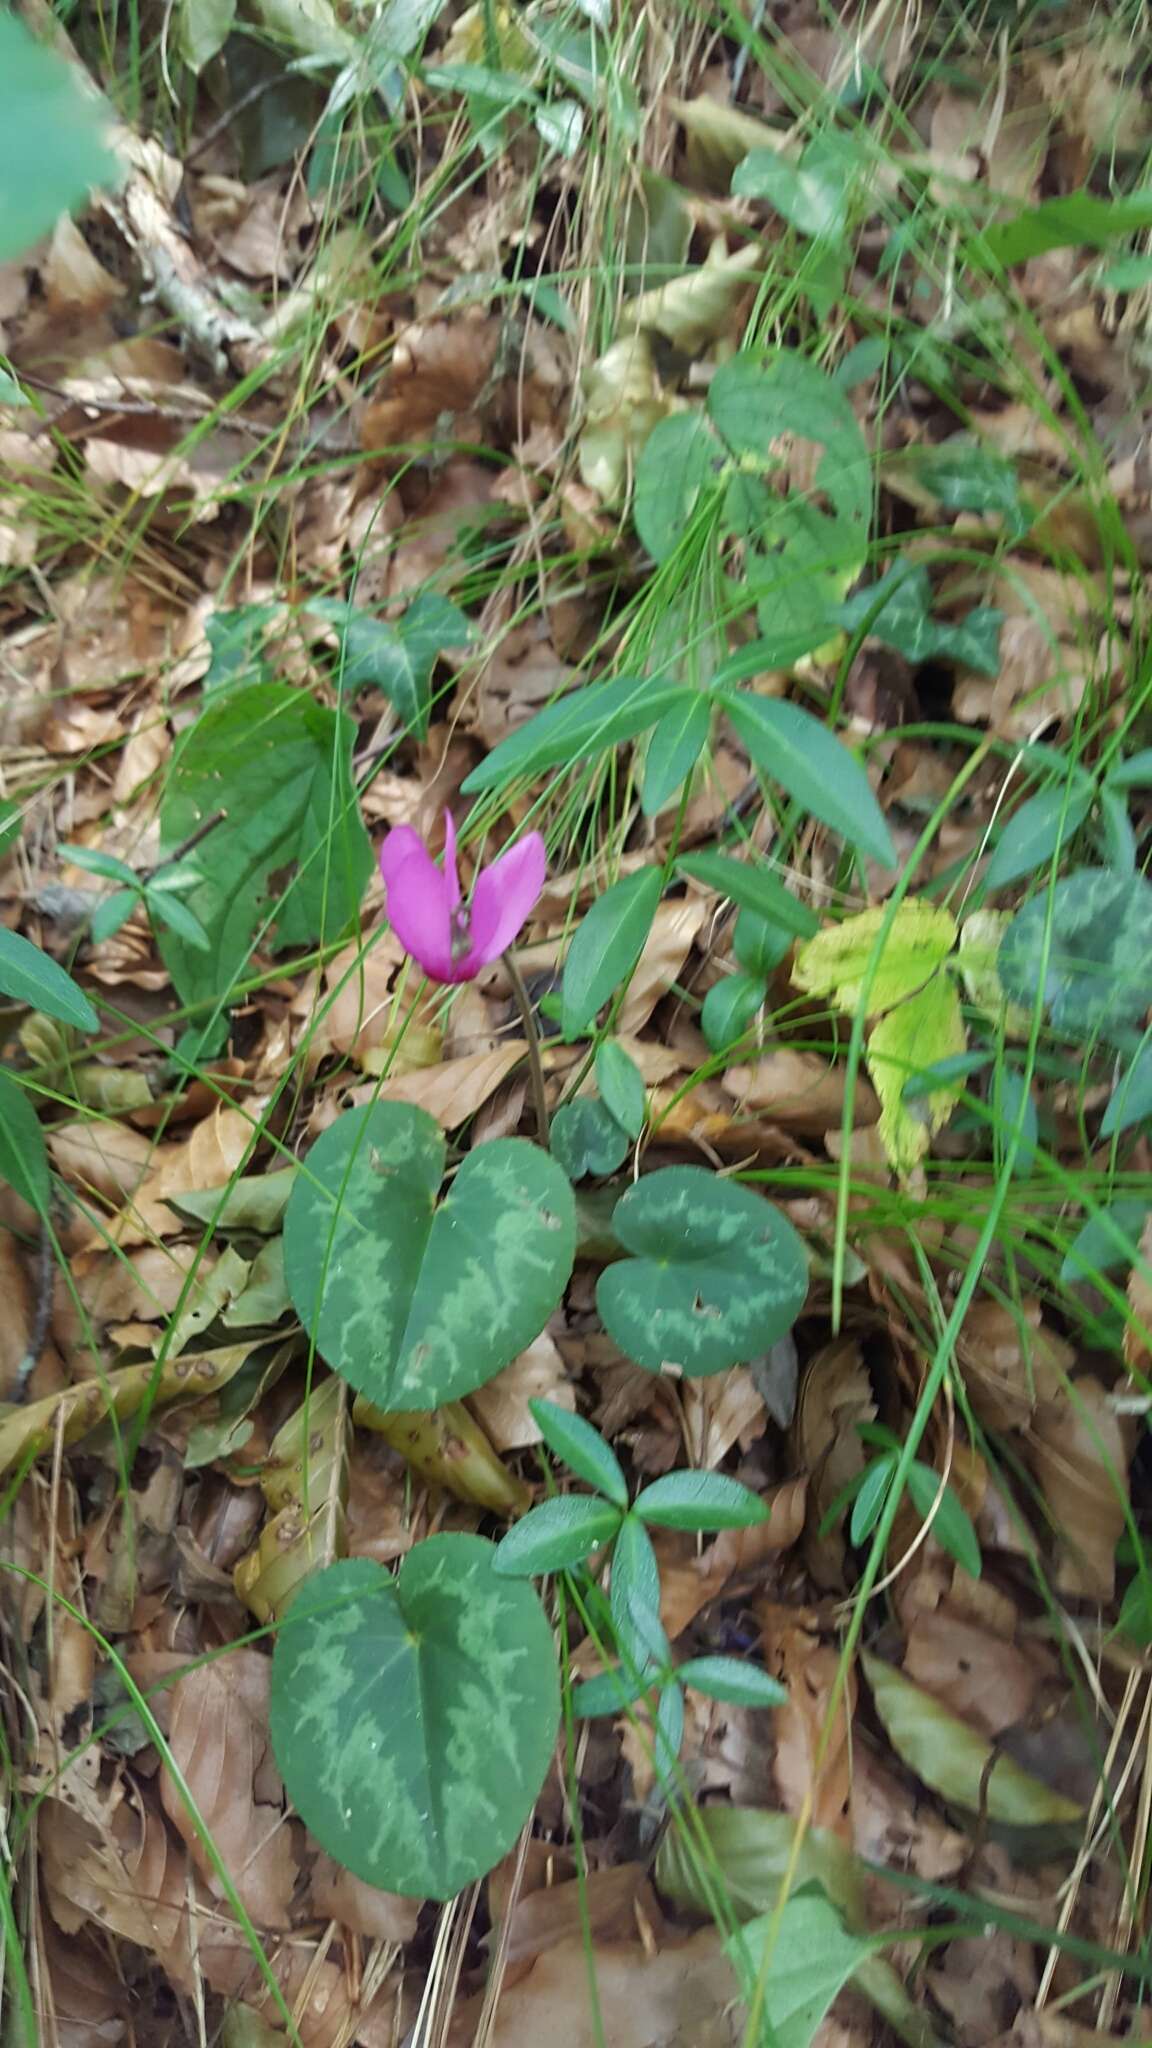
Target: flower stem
point(535, 1063)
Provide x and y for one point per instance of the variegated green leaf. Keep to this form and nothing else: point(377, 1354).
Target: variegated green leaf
point(414, 1716)
point(717, 1275)
point(415, 1302)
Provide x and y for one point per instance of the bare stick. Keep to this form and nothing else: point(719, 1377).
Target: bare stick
point(535, 1063)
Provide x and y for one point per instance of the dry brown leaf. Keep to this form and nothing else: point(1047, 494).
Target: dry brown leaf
point(835, 1393)
point(893, 1823)
point(18, 1296)
point(688, 1581)
point(1078, 1451)
point(813, 1759)
point(216, 1150)
point(800, 1091)
point(436, 369)
point(85, 1999)
point(1138, 1330)
point(1010, 1360)
point(341, 1896)
point(720, 1411)
point(454, 1091)
point(521, 676)
point(682, 1997)
point(501, 1407)
point(552, 1913)
point(666, 948)
point(980, 1676)
point(218, 1734)
point(108, 1158)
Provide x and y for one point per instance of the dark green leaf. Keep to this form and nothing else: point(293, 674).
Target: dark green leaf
point(758, 945)
point(717, 1273)
point(586, 1138)
point(557, 1535)
point(236, 638)
point(23, 1156)
point(1034, 833)
point(812, 193)
point(753, 888)
point(581, 1448)
point(608, 1693)
point(782, 649)
point(168, 910)
point(792, 748)
point(967, 477)
point(28, 976)
point(896, 610)
point(607, 946)
point(1098, 965)
point(278, 764)
point(1013, 1106)
point(413, 1716)
point(635, 1589)
point(588, 721)
point(397, 659)
point(1117, 839)
point(700, 1500)
point(730, 1008)
point(417, 1304)
point(674, 749)
point(729, 1678)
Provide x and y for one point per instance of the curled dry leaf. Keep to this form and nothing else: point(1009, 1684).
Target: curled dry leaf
point(553, 1913)
point(722, 1410)
point(679, 1997)
point(666, 948)
point(448, 1448)
point(813, 1759)
point(85, 2000)
point(454, 1091)
point(74, 1411)
point(218, 1735)
point(985, 1679)
point(305, 1483)
point(1078, 1450)
point(378, 1916)
point(104, 1158)
point(1010, 1360)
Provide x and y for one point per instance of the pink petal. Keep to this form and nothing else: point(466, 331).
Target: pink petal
point(418, 907)
point(503, 898)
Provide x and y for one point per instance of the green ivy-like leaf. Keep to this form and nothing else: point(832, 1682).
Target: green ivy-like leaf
point(52, 150)
point(413, 1716)
point(717, 1274)
point(417, 1304)
point(277, 764)
point(1098, 976)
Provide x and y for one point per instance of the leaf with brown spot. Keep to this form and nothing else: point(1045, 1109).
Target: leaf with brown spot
point(74, 1411)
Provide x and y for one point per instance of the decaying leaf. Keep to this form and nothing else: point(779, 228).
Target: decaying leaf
point(839, 960)
point(449, 1449)
point(956, 1760)
point(1078, 1450)
point(75, 1411)
point(915, 1034)
point(305, 1483)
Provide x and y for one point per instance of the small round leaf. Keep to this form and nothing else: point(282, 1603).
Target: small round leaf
point(717, 1275)
point(417, 1304)
point(586, 1138)
point(414, 1716)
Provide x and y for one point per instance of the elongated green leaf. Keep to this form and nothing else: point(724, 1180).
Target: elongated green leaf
point(413, 1717)
point(753, 1850)
point(52, 149)
point(1033, 833)
point(794, 749)
point(1134, 773)
point(23, 1155)
point(674, 749)
point(729, 1678)
point(1132, 1101)
point(870, 1498)
point(773, 650)
point(635, 1590)
point(951, 1525)
point(558, 1534)
point(94, 862)
point(1077, 220)
point(621, 1086)
point(955, 1759)
point(608, 1693)
point(29, 976)
point(606, 947)
point(417, 1304)
point(717, 1273)
point(588, 721)
point(753, 888)
point(582, 1449)
point(277, 764)
point(700, 1500)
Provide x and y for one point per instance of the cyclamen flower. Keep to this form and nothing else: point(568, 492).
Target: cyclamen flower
point(449, 939)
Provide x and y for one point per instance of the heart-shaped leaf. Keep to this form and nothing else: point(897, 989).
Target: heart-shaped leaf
point(1093, 935)
point(414, 1716)
point(717, 1274)
point(586, 1138)
point(417, 1304)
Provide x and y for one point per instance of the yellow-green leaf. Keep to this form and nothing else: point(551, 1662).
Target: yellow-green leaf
point(916, 1034)
point(958, 1762)
point(980, 937)
point(836, 962)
